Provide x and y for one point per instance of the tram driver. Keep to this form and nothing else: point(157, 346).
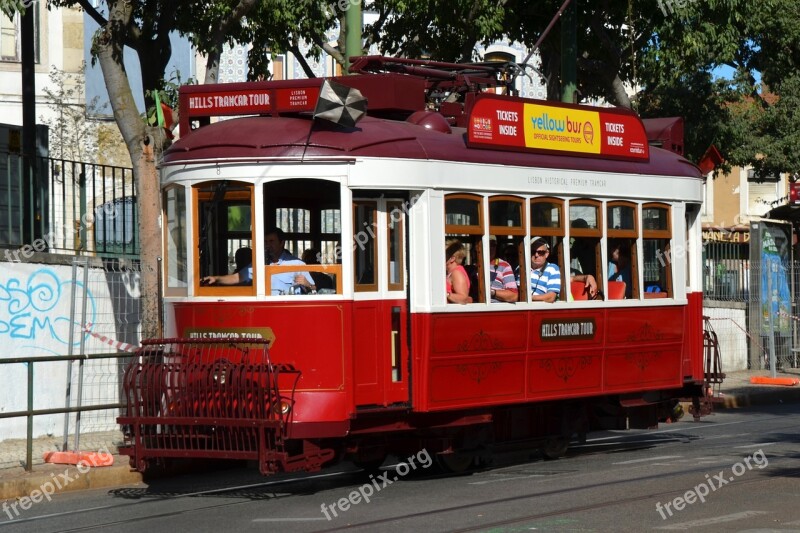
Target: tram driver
point(277, 254)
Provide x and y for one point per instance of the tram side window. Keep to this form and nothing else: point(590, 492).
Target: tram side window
point(224, 228)
point(547, 223)
point(365, 250)
point(395, 256)
point(586, 232)
point(176, 265)
point(657, 251)
point(507, 227)
point(622, 231)
point(464, 221)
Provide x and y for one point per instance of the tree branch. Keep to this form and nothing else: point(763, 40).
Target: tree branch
point(294, 49)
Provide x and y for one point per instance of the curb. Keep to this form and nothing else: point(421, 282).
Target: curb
point(748, 398)
point(49, 479)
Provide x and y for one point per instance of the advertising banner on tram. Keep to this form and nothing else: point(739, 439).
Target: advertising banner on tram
point(507, 123)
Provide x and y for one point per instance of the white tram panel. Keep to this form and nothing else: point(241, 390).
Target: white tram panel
point(477, 177)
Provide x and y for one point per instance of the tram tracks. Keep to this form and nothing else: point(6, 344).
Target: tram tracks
point(285, 488)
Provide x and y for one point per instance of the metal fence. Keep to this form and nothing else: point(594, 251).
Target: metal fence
point(76, 208)
point(71, 400)
point(751, 324)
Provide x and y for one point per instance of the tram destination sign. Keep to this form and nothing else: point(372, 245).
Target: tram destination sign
point(248, 99)
point(498, 122)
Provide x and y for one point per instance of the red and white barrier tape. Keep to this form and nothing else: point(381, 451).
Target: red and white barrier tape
point(124, 346)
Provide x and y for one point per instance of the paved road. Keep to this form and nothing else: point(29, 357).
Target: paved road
point(734, 471)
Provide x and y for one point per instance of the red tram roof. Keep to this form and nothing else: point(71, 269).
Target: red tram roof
point(264, 137)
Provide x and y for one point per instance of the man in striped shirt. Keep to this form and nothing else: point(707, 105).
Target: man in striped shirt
point(545, 277)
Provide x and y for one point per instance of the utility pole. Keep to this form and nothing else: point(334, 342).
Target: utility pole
point(31, 200)
point(353, 27)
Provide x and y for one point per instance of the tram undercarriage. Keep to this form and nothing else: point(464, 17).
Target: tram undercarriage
point(205, 400)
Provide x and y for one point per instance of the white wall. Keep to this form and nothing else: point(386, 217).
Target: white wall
point(36, 301)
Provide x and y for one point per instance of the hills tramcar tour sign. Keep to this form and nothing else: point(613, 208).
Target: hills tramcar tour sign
point(507, 123)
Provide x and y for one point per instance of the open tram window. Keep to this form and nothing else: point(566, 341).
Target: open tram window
point(656, 250)
point(308, 212)
point(586, 232)
point(464, 221)
point(507, 226)
point(623, 232)
point(224, 227)
point(547, 220)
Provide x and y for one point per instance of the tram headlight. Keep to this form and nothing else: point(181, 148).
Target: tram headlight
point(282, 407)
point(220, 372)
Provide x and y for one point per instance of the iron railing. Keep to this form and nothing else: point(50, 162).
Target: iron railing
point(30, 411)
point(79, 208)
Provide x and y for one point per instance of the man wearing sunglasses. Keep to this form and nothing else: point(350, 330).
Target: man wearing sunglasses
point(545, 277)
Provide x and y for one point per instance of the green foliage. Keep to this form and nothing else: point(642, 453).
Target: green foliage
point(751, 122)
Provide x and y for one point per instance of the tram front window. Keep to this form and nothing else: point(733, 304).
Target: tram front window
point(225, 230)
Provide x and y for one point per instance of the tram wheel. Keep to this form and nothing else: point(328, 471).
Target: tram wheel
point(455, 463)
point(370, 466)
point(554, 447)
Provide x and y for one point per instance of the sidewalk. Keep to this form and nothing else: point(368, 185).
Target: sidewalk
point(15, 483)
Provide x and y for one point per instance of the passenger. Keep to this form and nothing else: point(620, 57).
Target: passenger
point(545, 277)
point(457, 283)
point(243, 275)
point(620, 268)
point(503, 283)
point(582, 253)
point(589, 282)
point(322, 281)
point(582, 250)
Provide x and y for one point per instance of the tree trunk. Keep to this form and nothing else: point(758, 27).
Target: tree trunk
point(109, 44)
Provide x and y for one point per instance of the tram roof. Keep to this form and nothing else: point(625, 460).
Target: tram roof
point(287, 138)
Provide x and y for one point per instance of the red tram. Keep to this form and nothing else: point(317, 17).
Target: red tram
point(378, 362)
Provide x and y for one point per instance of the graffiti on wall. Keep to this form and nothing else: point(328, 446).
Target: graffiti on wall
point(37, 307)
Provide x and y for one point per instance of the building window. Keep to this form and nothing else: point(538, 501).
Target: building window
point(11, 36)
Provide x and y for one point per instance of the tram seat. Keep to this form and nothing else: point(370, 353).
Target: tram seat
point(616, 290)
point(578, 290)
point(654, 291)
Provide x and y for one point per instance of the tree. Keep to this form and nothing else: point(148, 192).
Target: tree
point(72, 137)
point(144, 26)
point(748, 113)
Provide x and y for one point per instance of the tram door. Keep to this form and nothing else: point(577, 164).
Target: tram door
point(380, 312)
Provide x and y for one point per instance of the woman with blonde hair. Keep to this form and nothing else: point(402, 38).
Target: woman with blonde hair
point(457, 278)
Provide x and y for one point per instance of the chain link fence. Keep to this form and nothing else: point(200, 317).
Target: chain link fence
point(90, 315)
point(752, 306)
